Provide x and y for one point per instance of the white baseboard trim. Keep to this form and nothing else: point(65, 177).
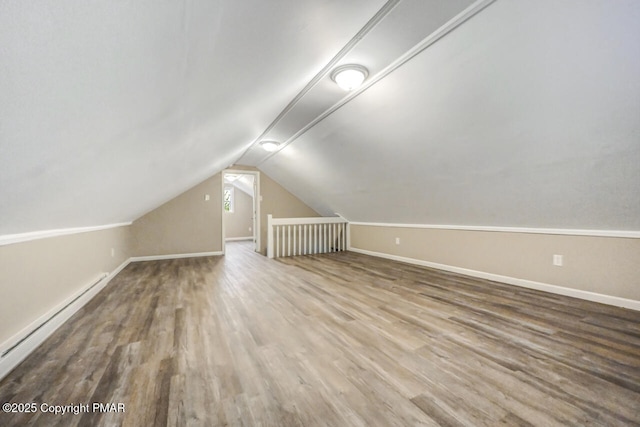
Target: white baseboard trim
point(235, 239)
point(174, 256)
point(19, 346)
point(554, 289)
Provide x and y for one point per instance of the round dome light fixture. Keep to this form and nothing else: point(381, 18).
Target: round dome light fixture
point(269, 145)
point(350, 76)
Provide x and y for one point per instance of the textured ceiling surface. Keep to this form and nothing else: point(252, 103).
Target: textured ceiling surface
point(110, 108)
point(528, 115)
point(523, 114)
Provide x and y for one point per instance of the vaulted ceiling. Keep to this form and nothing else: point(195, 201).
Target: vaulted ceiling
point(507, 112)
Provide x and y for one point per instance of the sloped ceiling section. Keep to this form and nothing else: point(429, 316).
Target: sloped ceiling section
point(527, 115)
point(243, 182)
point(109, 108)
point(489, 113)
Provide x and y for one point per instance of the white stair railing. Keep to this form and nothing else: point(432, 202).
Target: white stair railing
point(306, 236)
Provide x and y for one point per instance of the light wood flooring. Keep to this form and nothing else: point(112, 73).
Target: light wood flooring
point(337, 340)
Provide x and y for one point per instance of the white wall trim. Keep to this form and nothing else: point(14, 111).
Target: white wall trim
point(566, 232)
point(9, 239)
point(28, 339)
point(236, 239)
point(554, 289)
point(174, 256)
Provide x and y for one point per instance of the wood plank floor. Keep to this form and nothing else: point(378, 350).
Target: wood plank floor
point(336, 340)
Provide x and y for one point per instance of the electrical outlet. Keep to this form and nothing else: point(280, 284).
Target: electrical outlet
point(397, 240)
point(557, 260)
point(113, 252)
point(207, 198)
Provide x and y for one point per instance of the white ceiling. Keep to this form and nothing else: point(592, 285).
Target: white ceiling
point(528, 115)
point(243, 182)
point(109, 108)
point(518, 114)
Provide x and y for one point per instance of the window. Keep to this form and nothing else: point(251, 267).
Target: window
point(227, 199)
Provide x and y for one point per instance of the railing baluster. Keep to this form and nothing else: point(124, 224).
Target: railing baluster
point(294, 237)
point(333, 237)
point(327, 247)
point(294, 240)
point(269, 236)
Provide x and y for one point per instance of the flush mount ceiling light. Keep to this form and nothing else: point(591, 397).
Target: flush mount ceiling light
point(269, 145)
point(349, 77)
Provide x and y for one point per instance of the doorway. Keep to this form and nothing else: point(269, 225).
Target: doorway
point(241, 207)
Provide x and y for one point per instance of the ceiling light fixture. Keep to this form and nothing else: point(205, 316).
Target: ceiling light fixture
point(349, 77)
point(269, 145)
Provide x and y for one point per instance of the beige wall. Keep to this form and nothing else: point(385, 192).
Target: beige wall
point(38, 275)
point(186, 224)
point(280, 203)
point(189, 224)
point(277, 201)
point(239, 223)
point(604, 265)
